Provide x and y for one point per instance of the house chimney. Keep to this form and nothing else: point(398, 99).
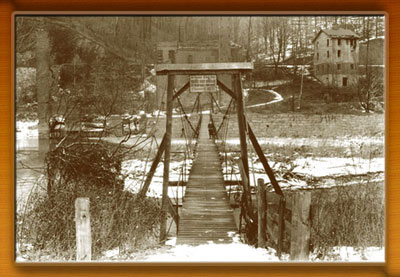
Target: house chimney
point(335, 26)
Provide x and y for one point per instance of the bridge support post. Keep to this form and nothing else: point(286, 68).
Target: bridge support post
point(241, 122)
point(167, 153)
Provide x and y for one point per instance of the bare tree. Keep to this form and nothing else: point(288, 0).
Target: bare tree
point(276, 36)
point(43, 83)
point(370, 82)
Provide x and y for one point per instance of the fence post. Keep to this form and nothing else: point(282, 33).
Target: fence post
point(83, 232)
point(300, 233)
point(261, 205)
point(281, 224)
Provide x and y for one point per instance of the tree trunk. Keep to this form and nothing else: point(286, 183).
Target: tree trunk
point(43, 80)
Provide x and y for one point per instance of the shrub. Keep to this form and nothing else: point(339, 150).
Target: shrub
point(118, 218)
point(348, 216)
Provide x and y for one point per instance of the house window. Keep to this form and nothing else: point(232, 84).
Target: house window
point(339, 66)
point(339, 41)
point(317, 44)
point(327, 54)
point(344, 81)
point(190, 59)
point(338, 53)
point(352, 66)
point(327, 42)
point(317, 56)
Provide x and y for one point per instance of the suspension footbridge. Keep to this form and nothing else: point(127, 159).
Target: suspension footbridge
point(206, 214)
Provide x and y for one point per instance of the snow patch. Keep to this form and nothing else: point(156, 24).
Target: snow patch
point(233, 252)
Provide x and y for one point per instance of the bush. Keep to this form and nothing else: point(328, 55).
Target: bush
point(348, 216)
point(118, 218)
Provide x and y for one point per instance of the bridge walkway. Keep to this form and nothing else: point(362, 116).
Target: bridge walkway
point(206, 214)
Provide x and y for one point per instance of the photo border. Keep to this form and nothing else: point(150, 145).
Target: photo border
point(122, 269)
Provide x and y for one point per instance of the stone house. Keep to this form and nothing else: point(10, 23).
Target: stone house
point(336, 56)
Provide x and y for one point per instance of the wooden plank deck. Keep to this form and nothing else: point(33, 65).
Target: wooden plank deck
point(206, 214)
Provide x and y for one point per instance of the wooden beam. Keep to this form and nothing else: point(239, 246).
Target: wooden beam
point(203, 68)
point(246, 192)
point(263, 160)
point(181, 90)
point(153, 168)
point(167, 152)
point(226, 89)
point(241, 122)
point(199, 72)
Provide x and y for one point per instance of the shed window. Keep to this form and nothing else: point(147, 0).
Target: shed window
point(171, 56)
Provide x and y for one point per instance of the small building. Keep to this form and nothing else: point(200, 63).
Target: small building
point(336, 55)
point(374, 48)
point(192, 52)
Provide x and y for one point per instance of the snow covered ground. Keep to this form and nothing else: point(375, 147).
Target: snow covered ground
point(238, 252)
point(133, 169)
point(312, 167)
point(312, 142)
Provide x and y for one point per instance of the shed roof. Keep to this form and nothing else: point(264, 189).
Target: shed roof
point(338, 33)
point(202, 68)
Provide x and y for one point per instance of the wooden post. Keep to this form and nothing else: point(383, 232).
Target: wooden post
point(83, 232)
point(300, 238)
point(241, 122)
point(281, 224)
point(246, 190)
point(167, 151)
point(262, 209)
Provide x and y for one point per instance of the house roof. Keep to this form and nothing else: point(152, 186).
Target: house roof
point(338, 33)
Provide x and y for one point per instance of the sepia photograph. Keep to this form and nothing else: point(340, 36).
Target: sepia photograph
point(200, 138)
